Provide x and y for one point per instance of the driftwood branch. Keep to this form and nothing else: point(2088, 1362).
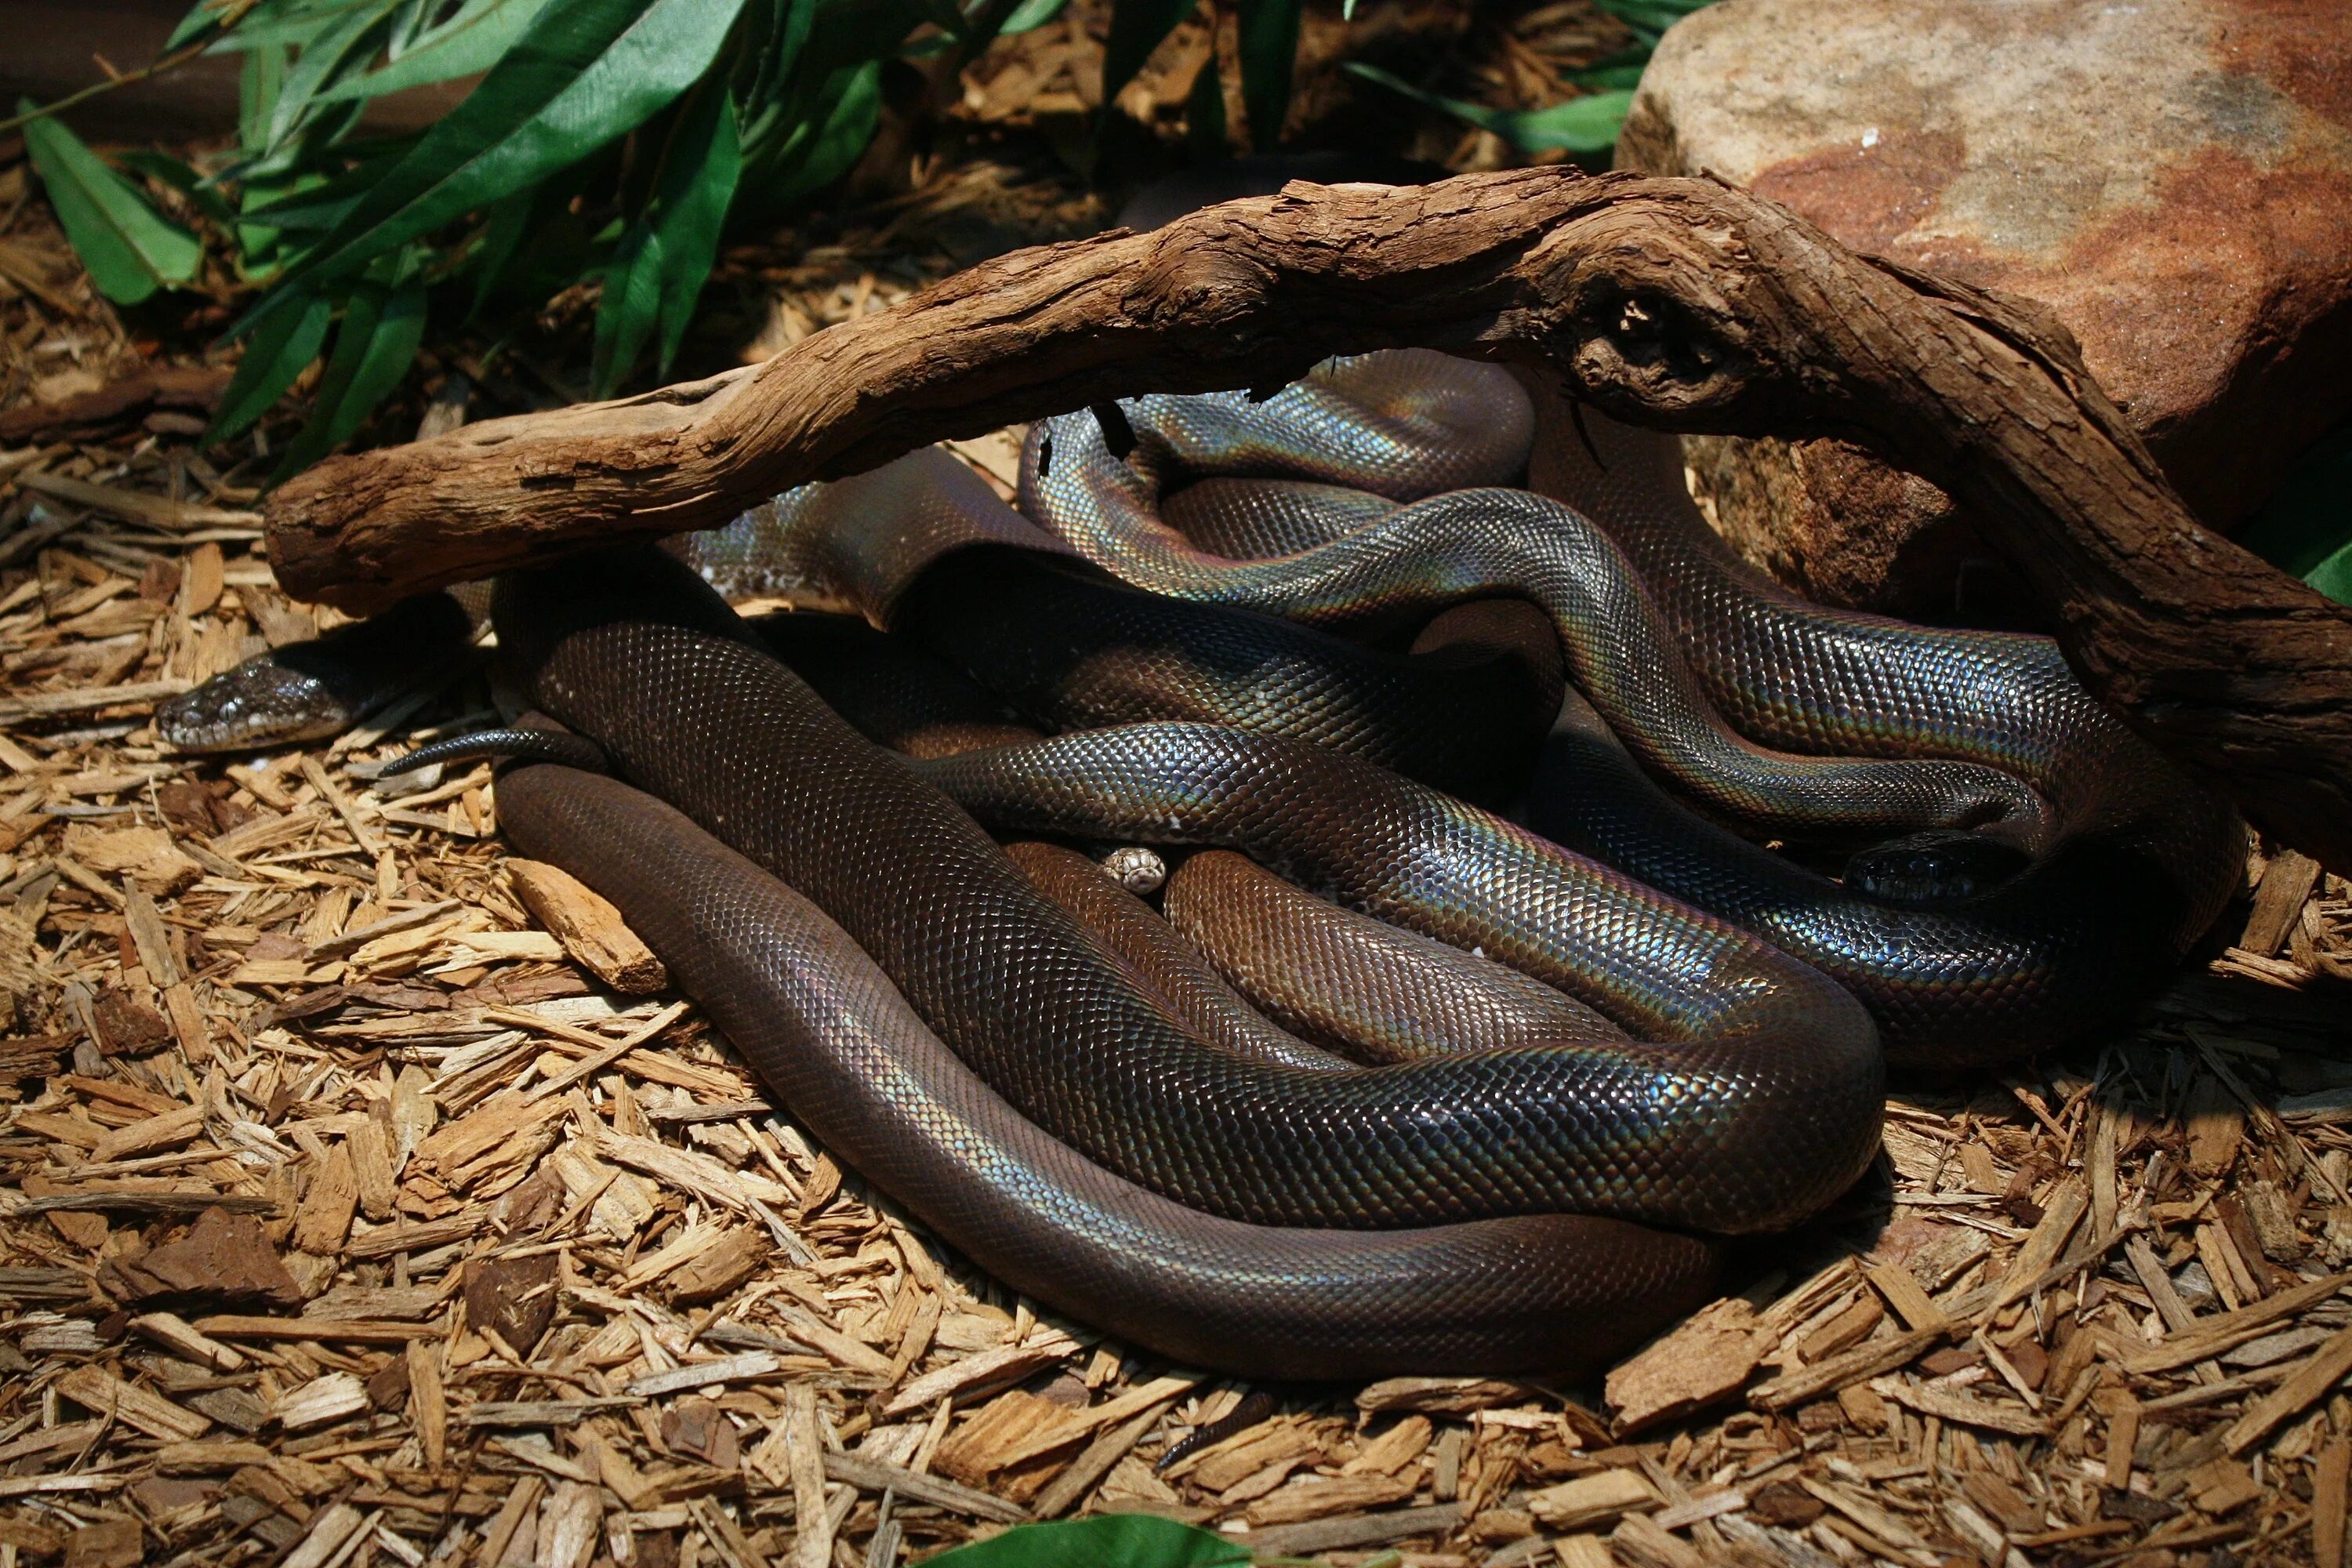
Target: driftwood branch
point(1678, 304)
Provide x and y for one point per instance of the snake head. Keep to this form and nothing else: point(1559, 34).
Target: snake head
point(1930, 869)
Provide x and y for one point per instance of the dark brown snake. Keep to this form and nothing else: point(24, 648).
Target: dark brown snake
point(1570, 1071)
point(1384, 1188)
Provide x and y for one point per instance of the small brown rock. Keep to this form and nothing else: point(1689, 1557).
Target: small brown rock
point(1785, 1505)
point(509, 1295)
point(129, 1028)
point(225, 1259)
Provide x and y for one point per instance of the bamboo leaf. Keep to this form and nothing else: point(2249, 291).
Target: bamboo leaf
point(259, 81)
point(183, 178)
point(1030, 15)
point(471, 41)
point(1649, 19)
point(664, 257)
point(285, 338)
point(130, 248)
point(822, 148)
point(1587, 124)
point(381, 329)
point(584, 73)
point(345, 46)
point(2305, 528)
point(1103, 1540)
point(1206, 137)
point(771, 49)
point(203, 17)
point(289, 24)
point(1269, 46)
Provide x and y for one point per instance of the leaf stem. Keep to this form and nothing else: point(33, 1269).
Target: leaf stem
point(230, 16)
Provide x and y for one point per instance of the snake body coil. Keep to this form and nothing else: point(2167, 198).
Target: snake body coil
point(1533, 1073)
point(2064, 865)
point(827, 1029)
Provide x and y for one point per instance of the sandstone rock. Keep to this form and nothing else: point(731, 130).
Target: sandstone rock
point(2173, 178)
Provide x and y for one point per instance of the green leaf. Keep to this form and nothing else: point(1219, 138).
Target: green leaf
point(203, 17)
point(851, 32)
point(1137, 28)
point(1628, 74)
point(1587, 124)
point(666, 253)
point(1030, 15)
point(1650, 17)
point(505, 225)
point(1269, 45)
point(1102, 1540)
point(344, 46)
point(383, 326)
point(258, 79)
point(820, 149)
point(131, 249)
point(285, 338)
point(771, 48)
point(289, 24)
point(472, 40)
point(584, 73)
point(2305, 528)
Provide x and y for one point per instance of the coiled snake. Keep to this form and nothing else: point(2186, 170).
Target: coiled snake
point(1516, 1076)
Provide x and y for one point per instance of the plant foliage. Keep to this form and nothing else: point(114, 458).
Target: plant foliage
point(613, 141)
point(1589, 123)
point(1103, 1541)
point(2305, 529)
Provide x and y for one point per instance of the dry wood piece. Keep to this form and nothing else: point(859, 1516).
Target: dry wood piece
point(2310, 1382)
point(2327, 1505)
point(1704, 1362)
point(1593, 1500)
point(1368, 1530)
point(1864, 1362)
point(589, 927)
point(181, 1337)
point(109, 1396)
point(2285, 887)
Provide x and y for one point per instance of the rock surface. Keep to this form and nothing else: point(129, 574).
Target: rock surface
point(2172, 177)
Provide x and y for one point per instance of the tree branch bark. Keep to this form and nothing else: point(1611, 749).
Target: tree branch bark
point(1674, 303)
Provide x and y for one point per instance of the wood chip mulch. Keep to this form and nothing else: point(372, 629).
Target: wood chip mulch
point(365, 1199)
